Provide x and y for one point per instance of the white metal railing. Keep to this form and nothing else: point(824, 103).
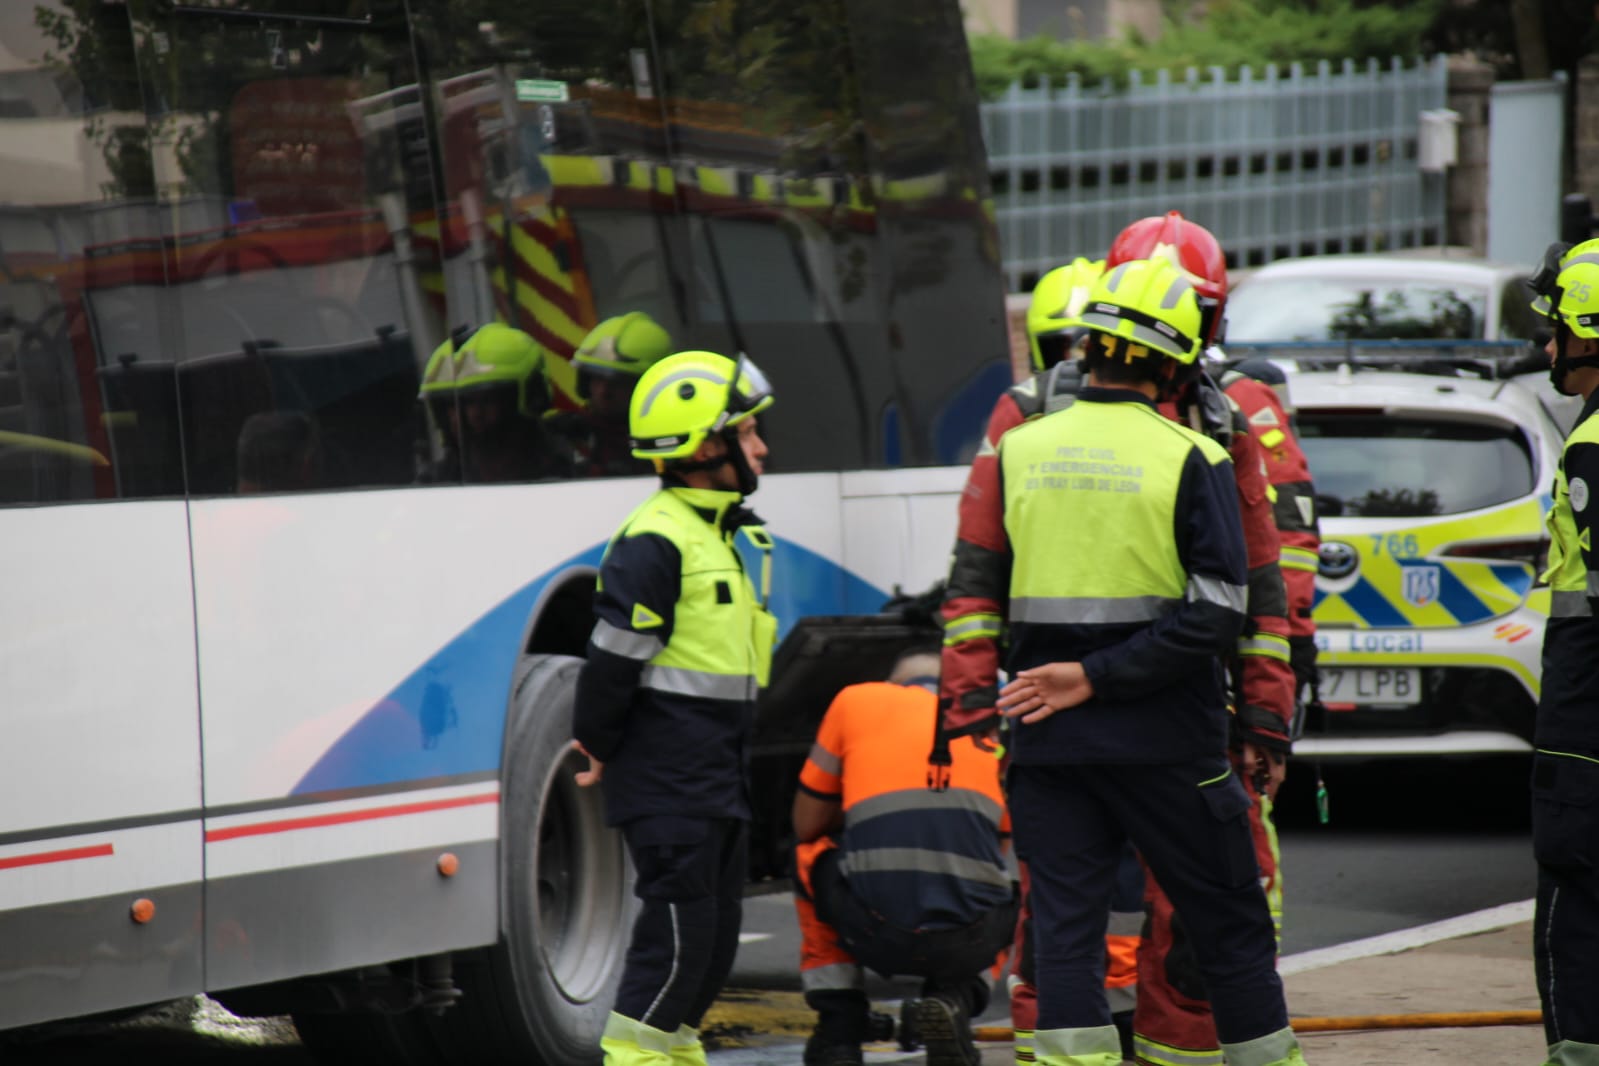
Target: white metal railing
point(1276, 163)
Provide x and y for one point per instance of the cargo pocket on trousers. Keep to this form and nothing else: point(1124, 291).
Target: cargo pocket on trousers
point(1565, 818)
point(670, 856)
point(1229, 805)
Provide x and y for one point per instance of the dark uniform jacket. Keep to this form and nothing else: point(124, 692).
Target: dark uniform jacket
point(680, 645)
point(1568, 707)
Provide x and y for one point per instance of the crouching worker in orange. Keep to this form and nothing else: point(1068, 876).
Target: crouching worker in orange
point(894, 876)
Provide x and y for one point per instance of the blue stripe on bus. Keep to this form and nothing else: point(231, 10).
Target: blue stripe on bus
point(448, 716)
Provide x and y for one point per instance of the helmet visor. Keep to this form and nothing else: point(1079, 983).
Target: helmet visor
point(1545, 290)
point(749, 393)
point(1212, 327)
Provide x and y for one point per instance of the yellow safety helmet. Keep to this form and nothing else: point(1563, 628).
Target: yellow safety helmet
point(1053, 325)
point(1545, 277)
point(496, 355)
point(621, 346)
point(686, 397)
point(1577, 295)
point(1147, 302)
point(438, 374)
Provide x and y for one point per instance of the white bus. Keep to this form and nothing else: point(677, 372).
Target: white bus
point(289, 697)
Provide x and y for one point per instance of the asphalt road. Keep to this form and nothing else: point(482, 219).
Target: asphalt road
point(1408, 843)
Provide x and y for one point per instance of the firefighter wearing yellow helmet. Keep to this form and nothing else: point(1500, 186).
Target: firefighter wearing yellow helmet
point(486, 394)
point(609, 363)
point(1054, 329)
point(1055, 332)
point(1565, 774)
point(1112, 587)
point(682, 643)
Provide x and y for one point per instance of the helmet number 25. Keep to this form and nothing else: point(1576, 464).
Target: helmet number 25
point(1580, 292)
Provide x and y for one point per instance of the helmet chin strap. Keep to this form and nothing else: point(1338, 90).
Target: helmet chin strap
point(747, 478)
point(733, 456)
point(1563, 365)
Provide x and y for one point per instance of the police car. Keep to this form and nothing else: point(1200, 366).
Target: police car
point(1432, 489)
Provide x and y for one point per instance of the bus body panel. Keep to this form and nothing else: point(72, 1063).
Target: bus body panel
point(100, 782)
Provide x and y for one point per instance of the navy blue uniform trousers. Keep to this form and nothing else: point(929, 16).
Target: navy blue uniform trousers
point(1565, 841)
point(691, 874)
point(1190, 823)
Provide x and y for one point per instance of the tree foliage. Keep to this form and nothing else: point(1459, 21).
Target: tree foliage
point(1488, 29)
point(1223, 33)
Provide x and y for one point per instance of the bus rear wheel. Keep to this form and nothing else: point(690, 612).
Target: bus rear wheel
point(543, 992)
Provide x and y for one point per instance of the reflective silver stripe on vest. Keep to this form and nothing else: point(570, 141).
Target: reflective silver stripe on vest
point(624, 642)
point(921, 799)
point(1088, 610)
point(837, 976)
point(1593, 583)
point(1569, 605)
point(922, 861)
point(1202, 589)
point(682, 681)
point(825, 760)
point(1123, 998)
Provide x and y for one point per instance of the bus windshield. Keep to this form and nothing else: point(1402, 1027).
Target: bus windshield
point(282, 223)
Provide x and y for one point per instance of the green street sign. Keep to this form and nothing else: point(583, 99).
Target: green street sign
point(538, 89)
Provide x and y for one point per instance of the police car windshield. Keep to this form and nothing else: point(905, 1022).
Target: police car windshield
point(1369, 464)
point(1314, 309)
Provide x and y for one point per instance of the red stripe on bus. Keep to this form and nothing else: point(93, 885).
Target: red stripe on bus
point(368, 814)
point(39, 858)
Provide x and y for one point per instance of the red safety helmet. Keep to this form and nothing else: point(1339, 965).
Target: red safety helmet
point(1191, 248)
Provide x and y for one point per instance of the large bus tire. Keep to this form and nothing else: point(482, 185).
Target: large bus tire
point(543, 992)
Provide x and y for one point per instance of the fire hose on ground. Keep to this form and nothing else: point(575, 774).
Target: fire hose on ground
point(1351, 1023)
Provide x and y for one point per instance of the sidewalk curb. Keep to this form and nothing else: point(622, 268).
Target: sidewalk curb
point(1482, 921)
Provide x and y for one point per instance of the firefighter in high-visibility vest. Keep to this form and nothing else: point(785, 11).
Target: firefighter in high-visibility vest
point(486, 395)
point(608, 364)
point(1173, 1022)
point(1054, 334)
point(1265, 699)
point(1117, 575)
point(1565, 769)
point(682, 642)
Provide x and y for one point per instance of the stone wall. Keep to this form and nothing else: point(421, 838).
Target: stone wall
point(1470, 81)
point(1585, 131)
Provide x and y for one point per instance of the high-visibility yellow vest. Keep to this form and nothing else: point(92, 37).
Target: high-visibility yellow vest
point(1092, 524)
point(1570, 581)
point(722, 633)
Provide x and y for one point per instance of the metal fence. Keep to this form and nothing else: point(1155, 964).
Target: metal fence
point(1276, 163)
